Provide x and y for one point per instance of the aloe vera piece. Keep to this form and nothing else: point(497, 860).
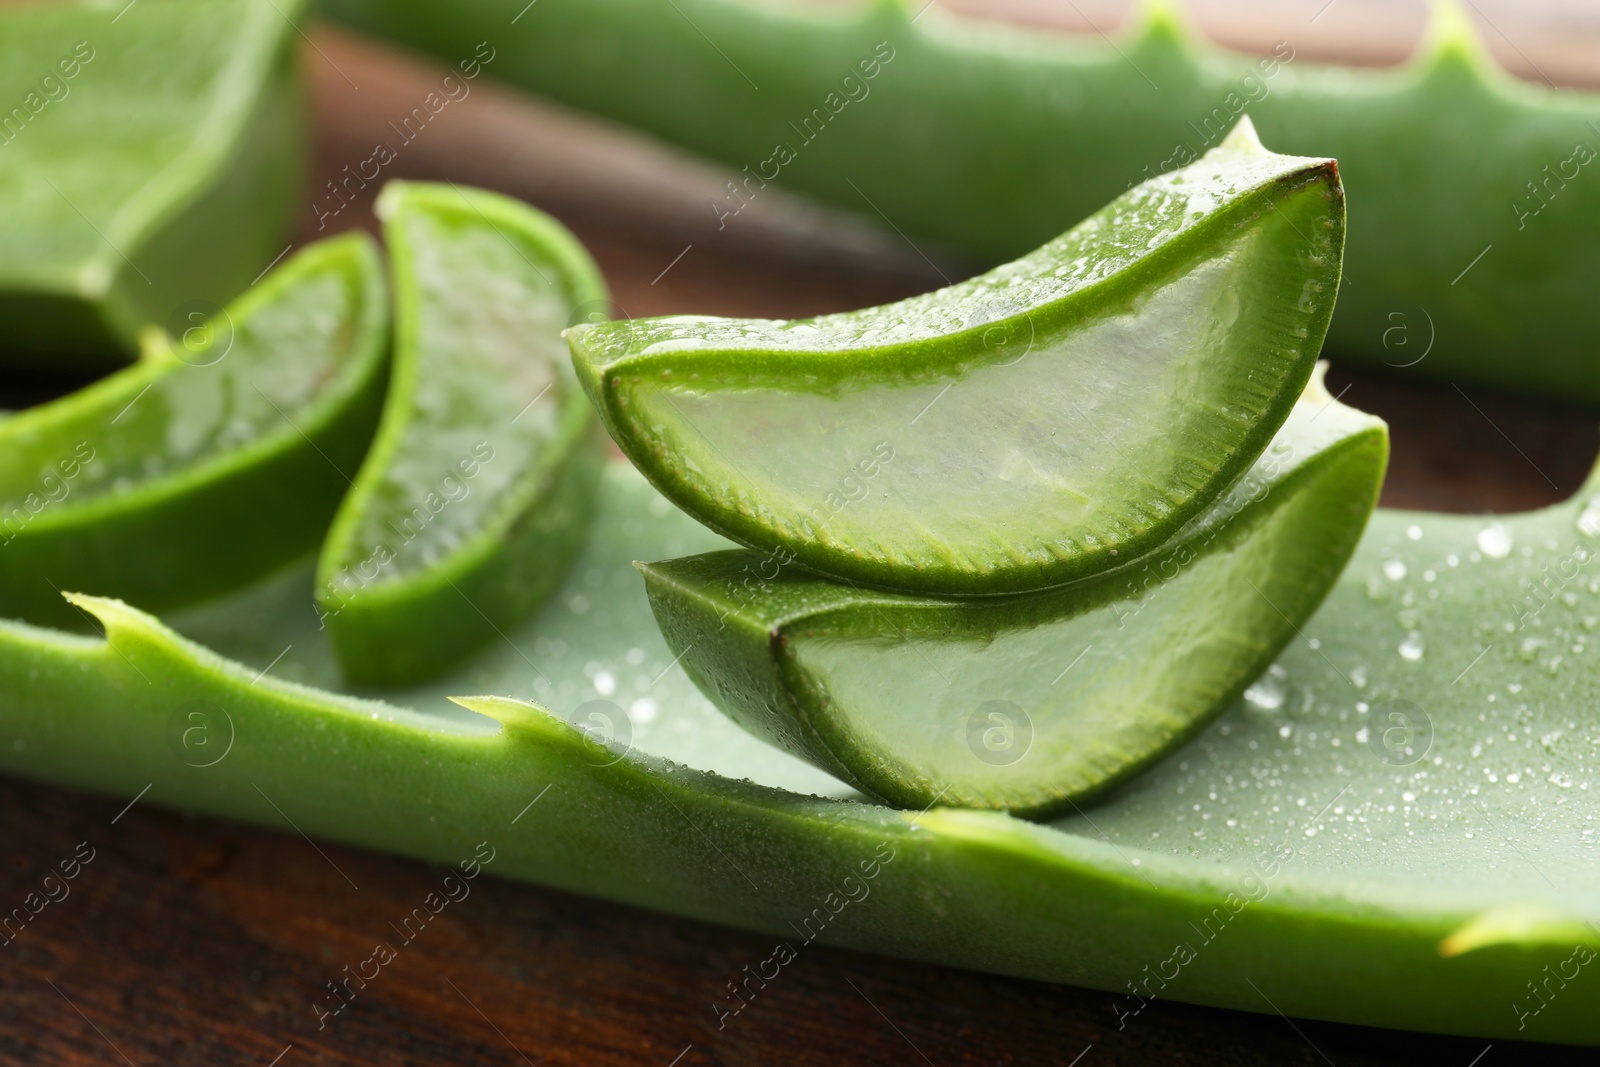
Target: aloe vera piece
point(1032, 702)
point(220, 456)
point(149, 161)
point(1103, 391)
point(480, 484)
point(1472, 235)
point(1324, 844)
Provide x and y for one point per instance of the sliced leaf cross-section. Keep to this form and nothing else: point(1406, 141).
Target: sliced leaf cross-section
point(480, 484)
point(220, 456)
point(1048, 420)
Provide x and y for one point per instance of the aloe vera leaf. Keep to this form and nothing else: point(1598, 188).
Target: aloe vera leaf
point(993, 137)
point(149, 160)
point(480, 484)
point(1103, 390)
point(1372, 895)
point(217, 458)
point(1032, 702)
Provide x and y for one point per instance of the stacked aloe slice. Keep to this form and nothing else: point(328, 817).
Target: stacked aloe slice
point(1012, 540)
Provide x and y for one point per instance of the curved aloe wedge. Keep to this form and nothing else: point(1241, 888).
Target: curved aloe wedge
point(480, 484)
point(1103, 391)
point(1431, 888)
point(1031, 702)
point(149, 163)
point(213, 460)
point(1475, 224)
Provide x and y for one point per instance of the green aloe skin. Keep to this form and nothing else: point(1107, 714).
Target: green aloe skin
point(1031, 702)
point(1346, 854)
point(1102, 390)
point(479, 486)
point(993, 138)
point(217, 458)
point(131, 142)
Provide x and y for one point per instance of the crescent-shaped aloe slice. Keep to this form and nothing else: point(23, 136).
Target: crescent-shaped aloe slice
point(217, 458)
point(1030, 702)
point(480, 484)
point(1102, 391)
point(151, 157)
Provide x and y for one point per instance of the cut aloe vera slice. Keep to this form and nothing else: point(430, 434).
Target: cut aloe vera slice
point(218, 457)
point(151, 158)
point(1033, 701)
point(1048, 420)
point(478, 489)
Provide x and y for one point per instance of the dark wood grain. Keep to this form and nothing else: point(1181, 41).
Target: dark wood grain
point(188, 941)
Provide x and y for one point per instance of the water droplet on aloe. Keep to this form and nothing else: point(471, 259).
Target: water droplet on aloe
point(1411, 648)
point(1394, 569)
point(1267, 692)
point(1495, 541)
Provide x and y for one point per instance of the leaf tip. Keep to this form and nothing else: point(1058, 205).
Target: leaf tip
point(898, 11)
point(1452, 40)
point(1161, 21)
point(1243, 138)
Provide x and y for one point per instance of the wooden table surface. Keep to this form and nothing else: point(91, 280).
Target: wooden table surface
point(189, 941)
